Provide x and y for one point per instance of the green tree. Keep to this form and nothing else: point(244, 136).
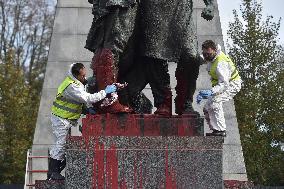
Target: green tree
point(25, 31)
point(260, 103)
point(16, 125)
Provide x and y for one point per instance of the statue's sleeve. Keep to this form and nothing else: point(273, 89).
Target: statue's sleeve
point(208, 2)
point(208, 11)
point(101, 7)
point(122, 3)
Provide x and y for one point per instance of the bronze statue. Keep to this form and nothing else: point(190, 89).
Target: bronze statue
point(134, 40)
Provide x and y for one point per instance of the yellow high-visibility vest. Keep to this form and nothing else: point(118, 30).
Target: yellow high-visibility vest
point(66, 108)
point(222, 58)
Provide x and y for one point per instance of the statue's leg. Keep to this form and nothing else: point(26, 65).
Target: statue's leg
point(106, 74)
point(186, 74)
point(117, 28)
point(137, 81)
point(181, 88)
point(159, 79)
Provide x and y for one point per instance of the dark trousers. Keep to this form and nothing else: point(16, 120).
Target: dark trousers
point(150, 71)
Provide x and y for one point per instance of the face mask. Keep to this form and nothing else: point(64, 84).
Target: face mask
point(209, 56)
point(85, 82)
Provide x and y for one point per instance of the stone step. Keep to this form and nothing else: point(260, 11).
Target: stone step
point(49, 184)
point(144, 162)
point(142, 125)
point(43, 184)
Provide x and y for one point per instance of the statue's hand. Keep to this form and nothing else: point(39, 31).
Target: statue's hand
point(208, 12)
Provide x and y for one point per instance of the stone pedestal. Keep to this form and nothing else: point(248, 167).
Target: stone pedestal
point(144, 162)
point(144, 151)
point(44, 184)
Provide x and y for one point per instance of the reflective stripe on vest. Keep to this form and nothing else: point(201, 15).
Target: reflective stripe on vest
point(63, 107)
point(222, 58)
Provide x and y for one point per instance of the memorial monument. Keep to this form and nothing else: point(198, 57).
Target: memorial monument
point(120, 61)
point(133, 41)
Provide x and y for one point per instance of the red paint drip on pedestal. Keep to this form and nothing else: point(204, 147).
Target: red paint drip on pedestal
point(111, 168)
point(98, 166)
point(170, 178)
point(106, 172)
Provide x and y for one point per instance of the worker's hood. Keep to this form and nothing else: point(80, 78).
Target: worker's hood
point(71, 75)
point(219, 48)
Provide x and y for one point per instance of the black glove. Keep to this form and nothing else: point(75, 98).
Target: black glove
point(91, 111)
point(86, 110)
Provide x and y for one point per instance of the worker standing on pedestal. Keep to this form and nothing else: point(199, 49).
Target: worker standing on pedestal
point(226, 83)
point(66, 110)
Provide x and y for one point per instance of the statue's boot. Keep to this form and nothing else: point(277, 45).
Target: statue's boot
point(165, 109)
point(105, 70)
point(181, 91)
point(186, 75)
point(184, 90)
point(188, 108)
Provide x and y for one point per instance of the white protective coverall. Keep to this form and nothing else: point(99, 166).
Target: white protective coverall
point(224, 91)
point(61, 126)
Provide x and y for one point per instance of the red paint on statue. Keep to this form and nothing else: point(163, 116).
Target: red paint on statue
point(124, 125)
point(95, 122)
point(185, 127)
point(133, 125)
point(151, 126)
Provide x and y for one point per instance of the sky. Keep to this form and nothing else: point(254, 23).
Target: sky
point(274, 8)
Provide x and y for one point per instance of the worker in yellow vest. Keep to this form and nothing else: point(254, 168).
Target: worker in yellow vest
point(226, 83)
point(66, 110)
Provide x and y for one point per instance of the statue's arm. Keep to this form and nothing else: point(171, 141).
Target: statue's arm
point(109, 3)
point(208, 2)
point(93, 1)
point(208, 11)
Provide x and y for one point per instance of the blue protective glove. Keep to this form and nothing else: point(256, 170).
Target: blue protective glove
point(110, 89)
point(205, 93)
point(198, 98)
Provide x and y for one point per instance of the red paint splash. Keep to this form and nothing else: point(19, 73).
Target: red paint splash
point(105, 161)
point(98, 167)
point(134, 125)
point(106, 170)
point(170, 178)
